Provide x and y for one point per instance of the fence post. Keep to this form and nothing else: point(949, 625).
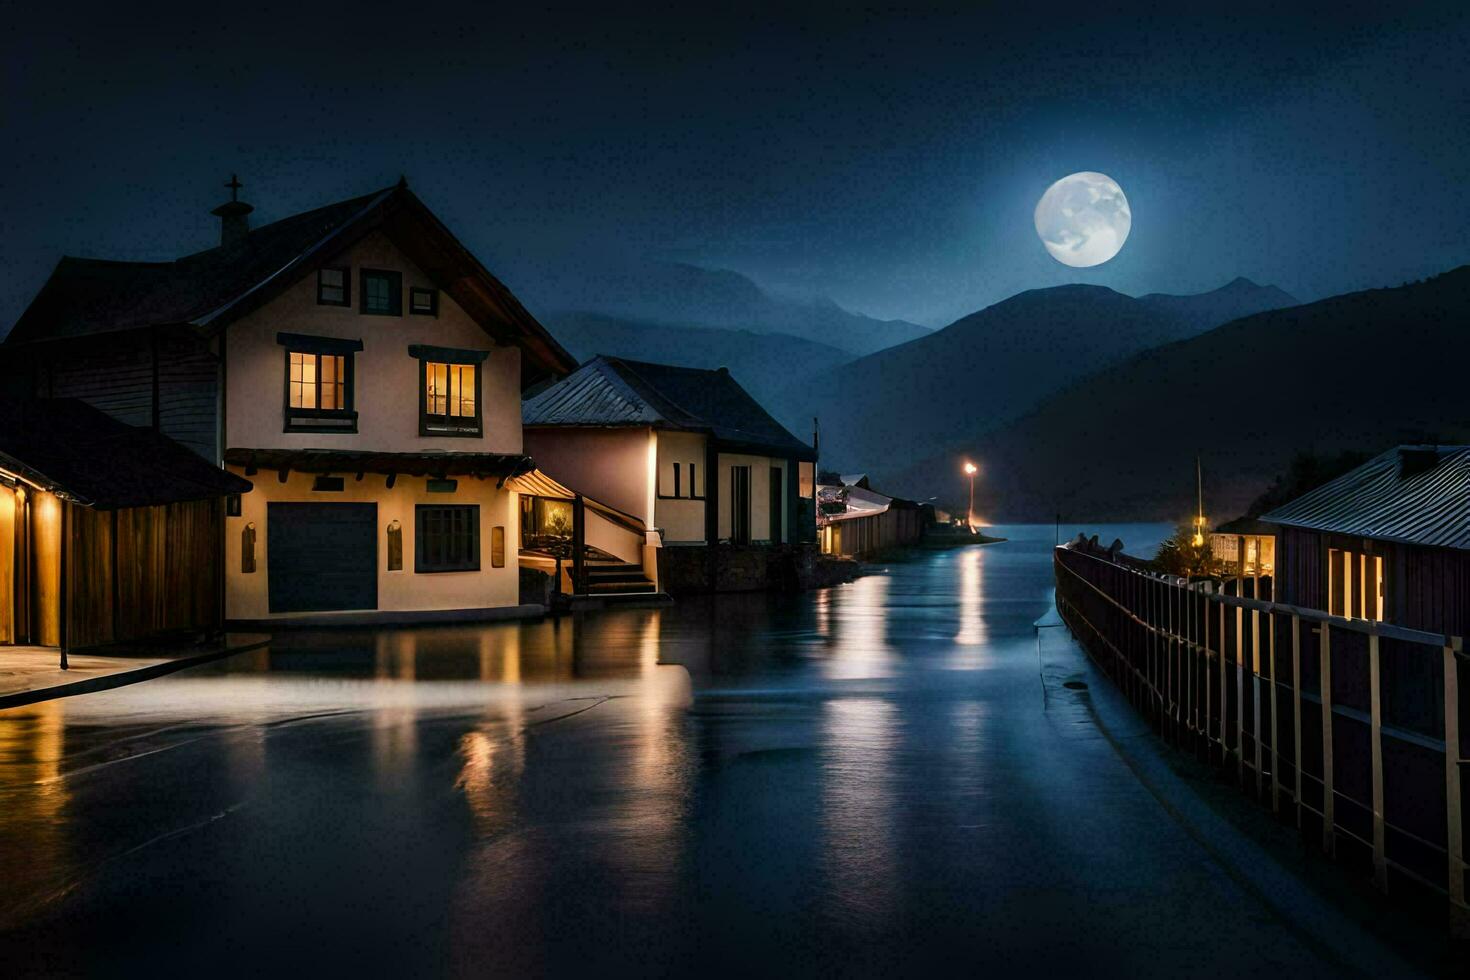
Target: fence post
point(1296, 708)
point(1275, 717)
point(1240, 696)
point(1256, 694)
point(1375, 718)
point(1329, 802)
point(1454, 829)
point(1224, 701)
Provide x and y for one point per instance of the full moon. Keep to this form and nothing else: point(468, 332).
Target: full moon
point(1083, 219)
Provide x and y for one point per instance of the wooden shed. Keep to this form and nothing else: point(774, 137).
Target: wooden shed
point(1388, 541)
point(108, 532)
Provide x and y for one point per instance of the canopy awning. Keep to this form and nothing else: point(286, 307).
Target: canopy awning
point(538, 484)
point(434, 464)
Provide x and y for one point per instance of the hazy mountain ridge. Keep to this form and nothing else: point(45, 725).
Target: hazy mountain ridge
point(1363, 371)
point(675, 294)
point(765, 364)
point(882, 412)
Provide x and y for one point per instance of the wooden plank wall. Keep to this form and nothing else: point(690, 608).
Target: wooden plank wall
point(188, 389)
point(140, 571)
point(115, 375)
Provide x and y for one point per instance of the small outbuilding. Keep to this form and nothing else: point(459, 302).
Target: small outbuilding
point(1388, 541)
point(108, 532)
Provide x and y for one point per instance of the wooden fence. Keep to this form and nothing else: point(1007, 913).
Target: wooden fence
point(1340, 725)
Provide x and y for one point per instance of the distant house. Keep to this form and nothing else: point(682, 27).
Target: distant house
point(1246, 549)
point(689, 453)
point(357, 364)
point(108, 532)
point(1387, 541)
point(858, 522)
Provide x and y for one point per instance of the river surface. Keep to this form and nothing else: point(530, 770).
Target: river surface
point(866, 780)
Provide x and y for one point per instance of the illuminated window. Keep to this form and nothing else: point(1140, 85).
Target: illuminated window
point(319, 396)
point(332, 287)
point(382, 293)
point(449, 390)
point(1356, 585)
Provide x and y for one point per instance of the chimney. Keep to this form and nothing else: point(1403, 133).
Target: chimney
point(1414, 460)
point(234, 215)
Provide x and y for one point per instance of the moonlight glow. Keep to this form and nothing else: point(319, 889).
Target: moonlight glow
point(1083, 219)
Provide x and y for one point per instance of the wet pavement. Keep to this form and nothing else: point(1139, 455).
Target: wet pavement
point(885, 778)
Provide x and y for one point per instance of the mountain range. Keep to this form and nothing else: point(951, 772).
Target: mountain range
point(883, 412)
point(1358, 372)
point(675, 294)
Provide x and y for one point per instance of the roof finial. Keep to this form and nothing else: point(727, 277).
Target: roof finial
point(234, 214)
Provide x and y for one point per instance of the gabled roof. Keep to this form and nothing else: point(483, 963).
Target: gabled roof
point(209, 289)
point(1413, 495)
point(614, 392)
point(68, 447)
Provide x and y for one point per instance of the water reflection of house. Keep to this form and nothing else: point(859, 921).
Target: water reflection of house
point(1388, 541)
point(857, 521)
point(108, 532)
point(689, 454)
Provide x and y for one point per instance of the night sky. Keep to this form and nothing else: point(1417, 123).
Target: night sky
point(891, 162)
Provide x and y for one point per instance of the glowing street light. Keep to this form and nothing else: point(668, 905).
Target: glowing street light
point(970, 470)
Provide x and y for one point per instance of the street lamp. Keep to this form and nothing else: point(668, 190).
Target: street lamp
point(970, 470)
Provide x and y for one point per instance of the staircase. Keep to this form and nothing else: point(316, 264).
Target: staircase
point(608, 578)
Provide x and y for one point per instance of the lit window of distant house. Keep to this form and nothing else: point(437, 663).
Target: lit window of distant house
point(449, 391)
point(423, 302)
point(319, 389)
point(447, 538)
point(333, 287)
point(382, 293)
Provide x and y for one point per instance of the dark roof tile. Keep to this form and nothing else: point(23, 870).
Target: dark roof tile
point(67, 446)
point(1413, 495)
point(612, 391)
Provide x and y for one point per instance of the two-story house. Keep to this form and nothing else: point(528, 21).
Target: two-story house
point(357, 365)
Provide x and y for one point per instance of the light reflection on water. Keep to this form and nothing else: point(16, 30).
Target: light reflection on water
point(577, 751)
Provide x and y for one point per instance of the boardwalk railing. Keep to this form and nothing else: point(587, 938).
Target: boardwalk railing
point(1342, 725)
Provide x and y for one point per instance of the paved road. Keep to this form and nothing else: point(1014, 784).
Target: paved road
point(882, 779)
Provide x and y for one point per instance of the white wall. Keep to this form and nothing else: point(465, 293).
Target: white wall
point(247, 595)
point(760, 493)
point(387, 378)
point(610, 465)
point(682, 518)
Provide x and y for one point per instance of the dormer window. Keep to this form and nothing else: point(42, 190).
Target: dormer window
point(423, 302)
point(334, 287)
point(382, 293)
point(319, 383)
point(449, 391)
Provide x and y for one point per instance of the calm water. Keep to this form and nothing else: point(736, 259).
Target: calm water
point(865, 780)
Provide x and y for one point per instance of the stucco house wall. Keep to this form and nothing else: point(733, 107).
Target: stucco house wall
point(386, 377)
point(247, 594)
point(611, 464)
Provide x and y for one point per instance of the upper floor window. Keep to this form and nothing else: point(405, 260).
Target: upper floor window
point(319, 383)
point(423, 302)
point(334, 287)
point(449, 391)
point(382, 293)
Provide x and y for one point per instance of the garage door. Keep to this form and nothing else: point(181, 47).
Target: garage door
point(322, 556)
